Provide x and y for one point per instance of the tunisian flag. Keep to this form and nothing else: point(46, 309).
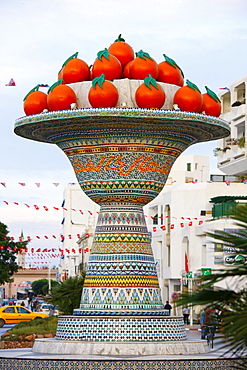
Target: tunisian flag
point(186, 263)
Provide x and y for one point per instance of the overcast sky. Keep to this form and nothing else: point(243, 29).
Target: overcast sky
point(208, 40)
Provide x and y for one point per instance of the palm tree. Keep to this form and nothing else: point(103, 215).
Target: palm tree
point(67, 294)
point(230, 302)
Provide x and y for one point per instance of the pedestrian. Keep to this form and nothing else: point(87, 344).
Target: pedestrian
point(207, 318)
point(168, 307)
point(186, 314)
point(23, 304)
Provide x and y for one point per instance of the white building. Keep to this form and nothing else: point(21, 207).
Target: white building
point(178, 220)
point(79, 220)
point(231, 152)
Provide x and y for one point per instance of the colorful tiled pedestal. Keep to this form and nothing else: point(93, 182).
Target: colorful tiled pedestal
point(121, 158)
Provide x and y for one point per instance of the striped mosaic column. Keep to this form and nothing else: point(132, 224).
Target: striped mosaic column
point(121, 277)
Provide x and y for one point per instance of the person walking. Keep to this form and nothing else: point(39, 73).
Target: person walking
point(186, 314)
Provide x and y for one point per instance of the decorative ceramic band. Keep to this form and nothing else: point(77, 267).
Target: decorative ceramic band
point(140, 329)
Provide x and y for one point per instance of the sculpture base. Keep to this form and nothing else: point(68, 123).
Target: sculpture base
point(54, 346)
point(120, 329)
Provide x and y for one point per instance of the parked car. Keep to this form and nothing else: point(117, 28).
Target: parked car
point(56, 311)
point(16, 314)
point(47, 308)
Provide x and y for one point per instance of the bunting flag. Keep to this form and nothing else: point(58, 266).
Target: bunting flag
point(56, 184)
point(11, 83)
point(22, 183)
point(3, 183)
point(37, 184)
point(43, 85)
point(224, 88)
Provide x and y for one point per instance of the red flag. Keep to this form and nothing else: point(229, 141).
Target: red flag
point(38, 237)
point(3, 183)
point(37, 184)
point(154, 228)
point(16, 203)
point(182, 224)
point(54, 236)
point(22, 183)
point(190, 223)
point(45, 208)
point(5, 202)
point(200, 222)
point(36, 207)
point(78, 236)
point(72, 209)
point(81, 211)
point(172, 226)
point(46, 237)
point(56, 183)
point(26, 205)
point(90, 213)
point(186, 263)
point(69, 236)
point(29, 238)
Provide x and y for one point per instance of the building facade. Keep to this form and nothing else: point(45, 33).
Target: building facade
point(79, 220)
point(178, 221)
point(231, 151)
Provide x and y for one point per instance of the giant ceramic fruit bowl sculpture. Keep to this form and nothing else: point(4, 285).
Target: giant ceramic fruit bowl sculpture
point(121, 157)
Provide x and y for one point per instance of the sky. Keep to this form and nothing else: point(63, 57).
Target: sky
point(207, 39)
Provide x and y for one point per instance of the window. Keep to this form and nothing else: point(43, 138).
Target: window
point(22, 310)
point(189, 167)
point(196, 166)
point(155, 219)
point(9, 310)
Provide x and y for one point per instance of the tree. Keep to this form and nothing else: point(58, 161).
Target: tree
point(41, 286)
point(8, 253)
point(231, 301)
point(67, 294)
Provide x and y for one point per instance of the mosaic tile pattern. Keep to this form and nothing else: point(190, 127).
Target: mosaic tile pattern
point(20, 364)
point(120, 329)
